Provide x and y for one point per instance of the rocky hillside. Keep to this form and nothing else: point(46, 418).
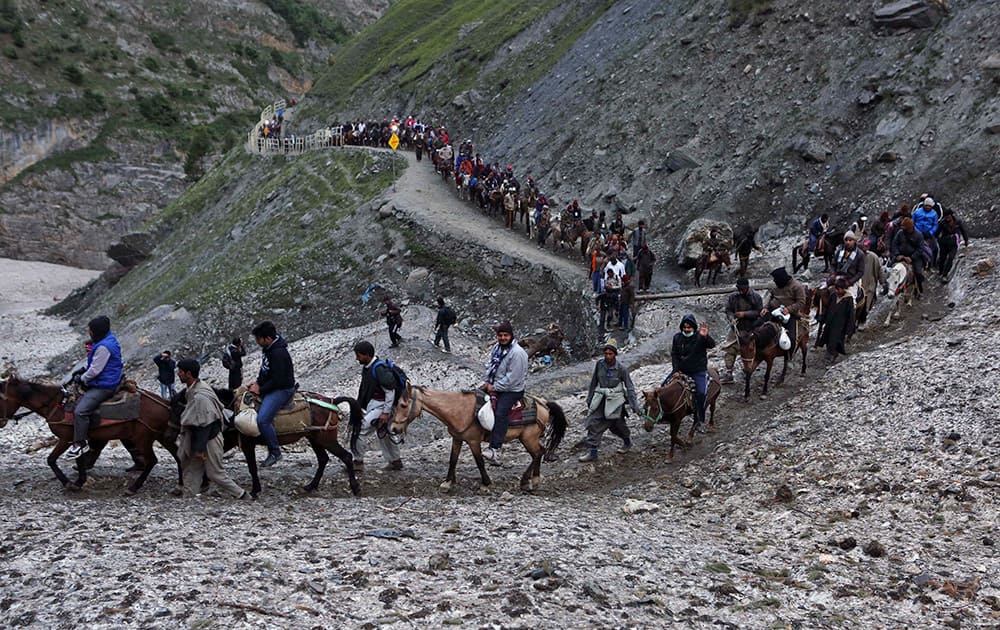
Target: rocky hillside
point(111, 109)
point(744, 110)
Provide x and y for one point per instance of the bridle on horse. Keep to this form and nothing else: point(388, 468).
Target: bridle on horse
point(685, 399)
point(16, 416)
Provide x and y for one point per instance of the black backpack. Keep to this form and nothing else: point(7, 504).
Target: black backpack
point(448, 316)
point(398, 375)
point(227, 359)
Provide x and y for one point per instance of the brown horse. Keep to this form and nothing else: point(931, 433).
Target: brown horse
point(761, 345)
point(457, 410)
point(321, 434)
point(573, 230)
point(713, 264)
point(675, 400)
point(48, 401)
point(825, 249)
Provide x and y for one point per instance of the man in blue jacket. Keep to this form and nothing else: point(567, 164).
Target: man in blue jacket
point(925, 219)
point(103, 374)
point(275, 385)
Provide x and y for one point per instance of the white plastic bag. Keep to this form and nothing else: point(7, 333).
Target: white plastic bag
point(246, 422)
point(783, 341)
point(485, 416)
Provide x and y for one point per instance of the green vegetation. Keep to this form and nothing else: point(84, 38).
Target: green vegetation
point(10, 17)
point(73, 74)
point(158, 110)
point(307, 22)
point(463, 36)
point(95, 152)
point(250, 246)
point(163, 40)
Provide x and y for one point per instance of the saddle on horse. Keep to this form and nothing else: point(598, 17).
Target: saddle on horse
point(291, 418)
point(524, 413)
point(122, 406)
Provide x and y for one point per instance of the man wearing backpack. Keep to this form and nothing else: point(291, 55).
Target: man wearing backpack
point(381, 383)
point(446, 318)
point(394, 320)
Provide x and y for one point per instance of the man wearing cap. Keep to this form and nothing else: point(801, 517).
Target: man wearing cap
point(908, 246)
point(506, 373)
point(610, 388)
point(104, 372)
point(743, 308)
point(788, 295)
point(925, 219)
point(848, 264)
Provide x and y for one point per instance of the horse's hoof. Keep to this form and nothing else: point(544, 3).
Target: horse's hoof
point(648, 426)
point(763, 396)
point(309, 488)
point(72, 487)
point(550, 457)
point(356, 489)
point(445, 487)
point(130, 491)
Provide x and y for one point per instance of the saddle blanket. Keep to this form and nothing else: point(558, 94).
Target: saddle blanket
point(122, 406)
point(289, 419)
point(520, 414)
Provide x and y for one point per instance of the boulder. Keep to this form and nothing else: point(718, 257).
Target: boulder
point(678, 160)
point(692, 245)
point(991, 66)
point(132, 249)
point(417, 275)
point(992, 126)
point(811, 149)
point(910, 14)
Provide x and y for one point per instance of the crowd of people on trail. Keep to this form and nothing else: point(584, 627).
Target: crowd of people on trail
point(270, 129)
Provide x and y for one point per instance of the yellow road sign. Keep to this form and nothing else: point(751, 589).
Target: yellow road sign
point(393, 142)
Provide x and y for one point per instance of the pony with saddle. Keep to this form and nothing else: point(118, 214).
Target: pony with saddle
point(457, 410)
point(821, 299)
point(136, 416)
point(675, 400)
point(311, 416)
point(825, 249)
point(763, 345)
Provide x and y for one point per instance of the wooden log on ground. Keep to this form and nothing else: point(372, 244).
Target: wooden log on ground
point(641, 297)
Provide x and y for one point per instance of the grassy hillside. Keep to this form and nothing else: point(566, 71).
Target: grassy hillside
point(193, 73)
point(429, 50)
point(253, 235)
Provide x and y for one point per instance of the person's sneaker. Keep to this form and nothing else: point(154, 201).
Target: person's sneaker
point(492, 456)
point(589, 456)
point(396, 464)
point(271, 460)
point(77, 450)
point(624, 448)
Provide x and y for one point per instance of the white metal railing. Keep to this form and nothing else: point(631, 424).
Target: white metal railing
point(266, 115)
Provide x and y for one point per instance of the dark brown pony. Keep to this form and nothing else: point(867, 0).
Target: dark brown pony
point(825, 249)
point(761, 345)
point(576, 230)
point(321, 434)
point(712, 266)
point(672, 402)
point(819, 299)
point(47, 401)
point(457, 410)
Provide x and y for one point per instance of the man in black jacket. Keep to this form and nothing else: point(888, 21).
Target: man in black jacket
point(689, 355)
point(165, 366)
point(445, 318)
point(235, 351)
point(275, 385)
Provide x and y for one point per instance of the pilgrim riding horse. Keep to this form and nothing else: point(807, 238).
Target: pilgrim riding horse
point(825, 249)
point(152, 414)
point(457, 410)
point(321, 432)
point(820, 298)
point(675, 400)
point(762, 345)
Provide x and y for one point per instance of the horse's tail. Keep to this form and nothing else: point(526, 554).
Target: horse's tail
point(357, 415)
point(558, 427)
point(795, 259)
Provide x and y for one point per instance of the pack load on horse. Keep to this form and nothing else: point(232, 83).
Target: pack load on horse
point(716, 254)
point(529, 424)
point(674, 401)
point(766, 342)
point(311, 416)
point(901, 287)
point(134, 416)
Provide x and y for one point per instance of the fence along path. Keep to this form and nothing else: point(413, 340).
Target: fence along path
point(291, 145)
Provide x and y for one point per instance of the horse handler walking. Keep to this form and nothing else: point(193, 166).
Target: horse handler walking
point(200, 442)
point(610, 388)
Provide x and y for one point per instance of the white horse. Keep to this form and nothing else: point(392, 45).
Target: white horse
point(902, 284)
point(463, 187)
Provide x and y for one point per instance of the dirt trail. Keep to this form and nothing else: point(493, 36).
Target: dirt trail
point(422, 194)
